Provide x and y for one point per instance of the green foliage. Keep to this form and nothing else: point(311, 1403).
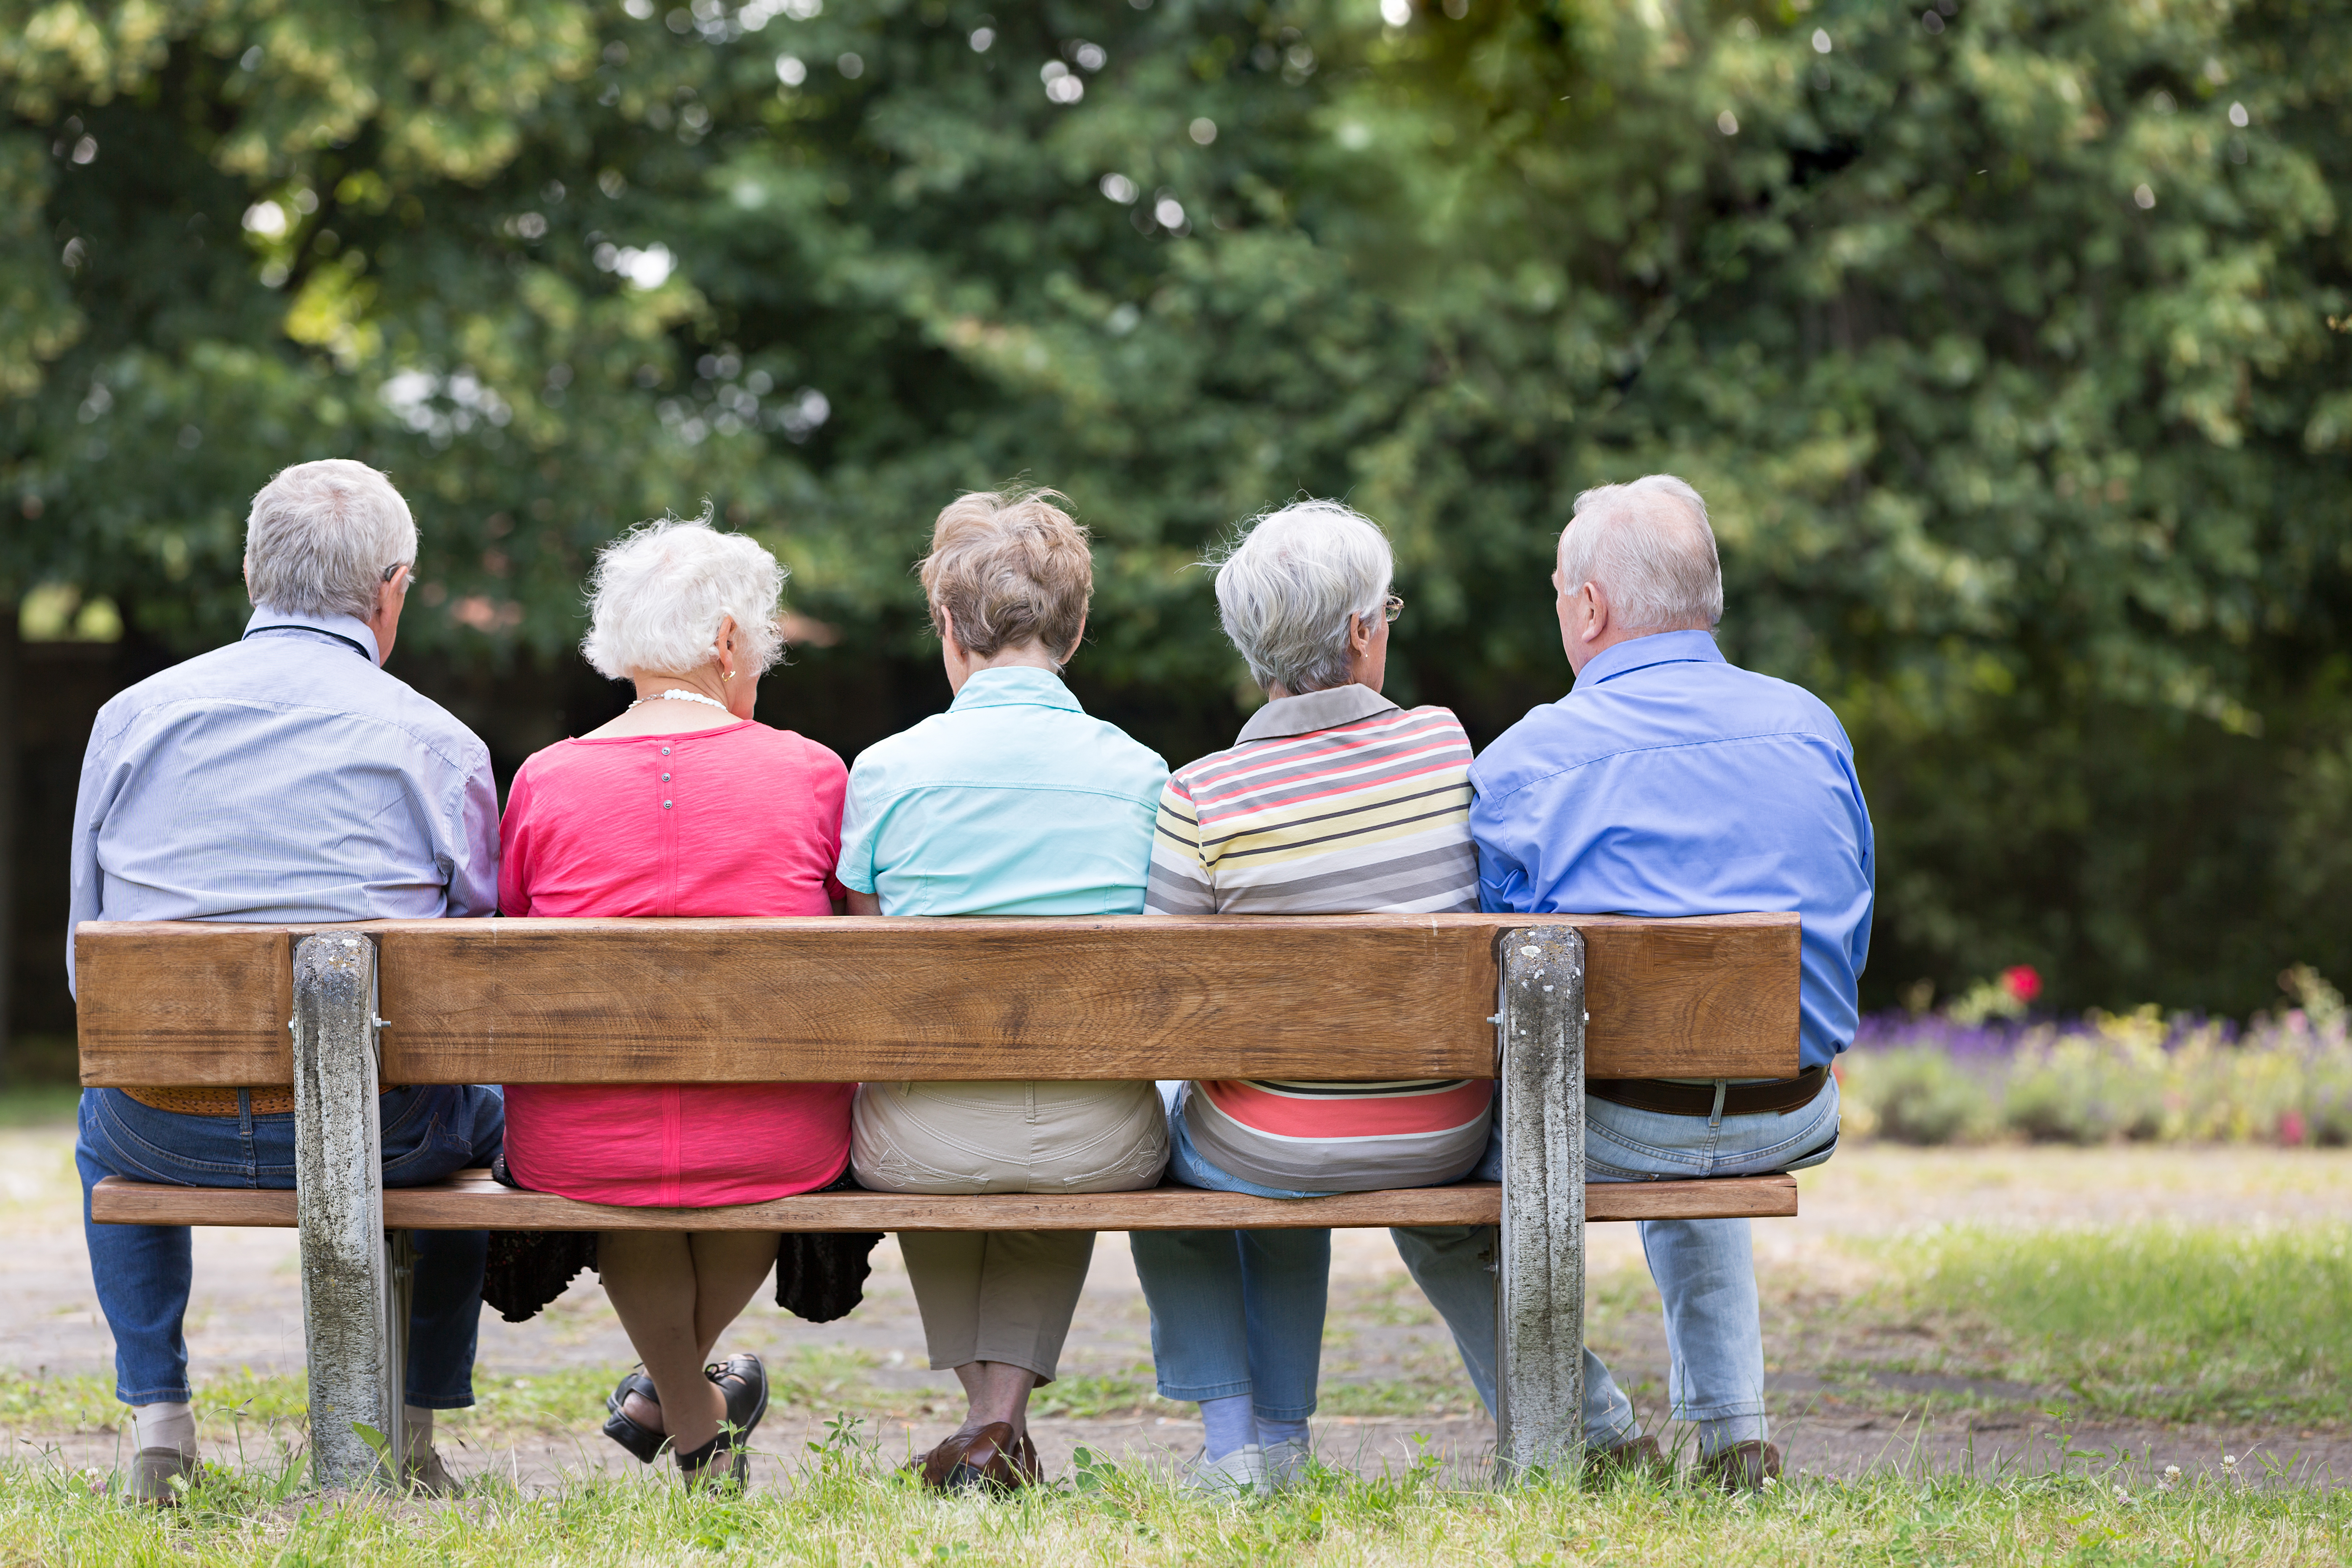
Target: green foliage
point(2136, 1076)
point(2166, 1322)
point(2079, 1089)
point(1918, 1094)
point(2010, 356)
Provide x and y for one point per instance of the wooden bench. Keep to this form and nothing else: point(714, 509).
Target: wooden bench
point(1536, 1002)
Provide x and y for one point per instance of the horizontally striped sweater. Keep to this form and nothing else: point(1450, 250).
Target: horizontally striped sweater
point(1333, 802)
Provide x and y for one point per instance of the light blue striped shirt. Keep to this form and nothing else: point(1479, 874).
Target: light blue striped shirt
point(285, 777)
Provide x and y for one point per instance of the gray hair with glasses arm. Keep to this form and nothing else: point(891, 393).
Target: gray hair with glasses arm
point(1289, 590)
point(322, 537)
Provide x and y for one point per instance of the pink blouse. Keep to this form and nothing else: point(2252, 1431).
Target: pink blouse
point(743, 820)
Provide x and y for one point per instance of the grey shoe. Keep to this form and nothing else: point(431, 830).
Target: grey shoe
point(154, 1473)
point(1240, 1473)
point(430, 1476)
point(1286, 1463)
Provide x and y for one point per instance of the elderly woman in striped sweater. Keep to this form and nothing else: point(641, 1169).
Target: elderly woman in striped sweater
point(1332, 800)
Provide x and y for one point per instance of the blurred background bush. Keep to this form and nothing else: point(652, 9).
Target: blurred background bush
point(1935, 1078)
point(2007, 340)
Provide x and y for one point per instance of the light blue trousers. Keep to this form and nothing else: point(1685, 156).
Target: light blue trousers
point(1235, 1311)
point(1705, 1269)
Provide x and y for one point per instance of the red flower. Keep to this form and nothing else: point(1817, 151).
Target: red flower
point(2021, 982)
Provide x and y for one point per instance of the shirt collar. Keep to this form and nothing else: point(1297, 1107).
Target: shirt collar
point(351, 628)
point(1657, 647)
point(1014, 686)
point(1312, 710)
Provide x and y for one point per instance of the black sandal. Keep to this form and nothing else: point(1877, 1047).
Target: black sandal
point(743, 1382)
point(647, 1445)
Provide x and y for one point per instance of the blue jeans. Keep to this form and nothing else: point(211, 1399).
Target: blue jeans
point(1705, 1269)
point(1234, 1312)
point(142, 1272)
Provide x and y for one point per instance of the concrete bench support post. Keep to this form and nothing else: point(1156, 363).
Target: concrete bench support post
point(348, 1301)
point(1539, 1294)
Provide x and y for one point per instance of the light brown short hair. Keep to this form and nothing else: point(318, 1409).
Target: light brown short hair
point(1010, 567)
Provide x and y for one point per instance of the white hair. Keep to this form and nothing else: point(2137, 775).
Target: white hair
point(1288, 588)
point(660, 590)
point(320, 536)
point(1648, 545)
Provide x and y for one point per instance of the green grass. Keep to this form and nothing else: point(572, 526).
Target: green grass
point(2161, 1322)
point(842, 1509)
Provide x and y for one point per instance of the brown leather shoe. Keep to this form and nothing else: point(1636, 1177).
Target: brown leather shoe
point(993, 1460)
point(1025, 1463)
point(1636, 1456)
point(990, 1457)
point(936, 1465)
point(1743, 1466)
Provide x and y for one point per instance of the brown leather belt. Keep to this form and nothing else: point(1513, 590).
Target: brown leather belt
point(206, 1099)
point(1783, 1095)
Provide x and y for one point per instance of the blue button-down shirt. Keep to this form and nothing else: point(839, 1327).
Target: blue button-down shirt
point(1671, 782)
point(1013, 801)
point(284, 777)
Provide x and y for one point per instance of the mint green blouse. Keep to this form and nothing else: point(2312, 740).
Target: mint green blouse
point(1013, 801)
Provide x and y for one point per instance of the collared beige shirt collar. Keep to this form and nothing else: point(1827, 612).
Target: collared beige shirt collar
point(1312, 710)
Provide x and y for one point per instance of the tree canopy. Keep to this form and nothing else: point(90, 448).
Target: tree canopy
point(2007, 340)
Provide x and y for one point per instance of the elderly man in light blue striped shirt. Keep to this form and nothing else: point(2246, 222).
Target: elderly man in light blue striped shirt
point(284, 777)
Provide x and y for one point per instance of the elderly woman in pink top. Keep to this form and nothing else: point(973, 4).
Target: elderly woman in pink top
point(683, 806)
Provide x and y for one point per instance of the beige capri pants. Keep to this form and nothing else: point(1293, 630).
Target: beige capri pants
point(1004, 1295)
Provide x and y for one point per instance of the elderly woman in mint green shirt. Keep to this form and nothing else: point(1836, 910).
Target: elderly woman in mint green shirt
point(1011, 803)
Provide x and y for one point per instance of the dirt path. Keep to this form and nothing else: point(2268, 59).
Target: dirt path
point(1385, 1352)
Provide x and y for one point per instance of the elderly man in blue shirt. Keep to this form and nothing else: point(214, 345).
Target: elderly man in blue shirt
point(284, 777)
point(1670, 782)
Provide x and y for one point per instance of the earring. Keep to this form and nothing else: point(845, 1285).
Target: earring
point(725, 675)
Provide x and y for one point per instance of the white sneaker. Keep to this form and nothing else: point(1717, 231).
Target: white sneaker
point(1239, 1474)
point(1285, 1463)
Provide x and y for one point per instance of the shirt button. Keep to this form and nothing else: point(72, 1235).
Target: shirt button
point(665, 751)
point(664, 778)
point(665, 805)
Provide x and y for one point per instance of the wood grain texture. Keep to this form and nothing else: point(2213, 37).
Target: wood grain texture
point(1333, 996)
point(471, 1201)
point(208, 1003)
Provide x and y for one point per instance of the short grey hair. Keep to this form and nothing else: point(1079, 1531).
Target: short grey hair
point(320, 536)
point(1289, 585)
point(660, 590)
point(1648, 544)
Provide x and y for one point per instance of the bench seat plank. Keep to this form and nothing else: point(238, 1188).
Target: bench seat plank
point(897, 999)
point(471, 1201)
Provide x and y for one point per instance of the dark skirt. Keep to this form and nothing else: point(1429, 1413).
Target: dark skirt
point(820, 1274)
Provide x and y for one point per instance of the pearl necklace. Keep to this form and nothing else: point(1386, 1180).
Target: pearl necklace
point(682, 697)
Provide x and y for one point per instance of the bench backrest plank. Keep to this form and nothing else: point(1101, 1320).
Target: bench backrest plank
point(721, 1001)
